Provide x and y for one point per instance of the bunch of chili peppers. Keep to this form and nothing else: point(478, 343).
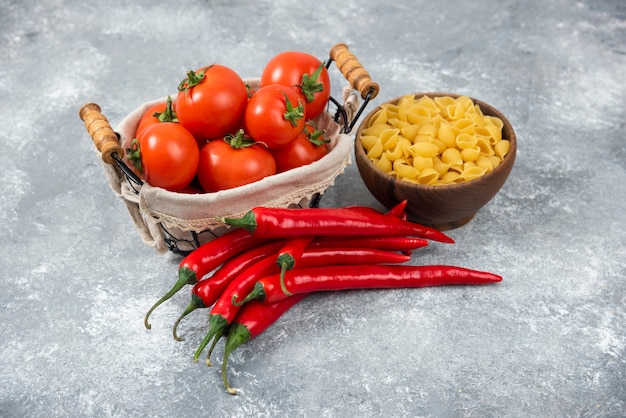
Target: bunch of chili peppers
point(275, 257)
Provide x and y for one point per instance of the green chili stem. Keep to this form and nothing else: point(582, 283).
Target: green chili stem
point(217, 325)
point(238, 335)
point(185, 276)
point(195, 303)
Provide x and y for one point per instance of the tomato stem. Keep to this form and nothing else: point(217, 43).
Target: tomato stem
point(316, 137)
point(310, 85)
point(168, 115)
point(293, 114)
point(133, 154)
point(239, 140)
point(193, 79)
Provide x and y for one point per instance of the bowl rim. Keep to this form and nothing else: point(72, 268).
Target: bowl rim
point(509, 157)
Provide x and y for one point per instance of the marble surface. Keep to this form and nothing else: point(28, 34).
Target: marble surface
point(550, 340)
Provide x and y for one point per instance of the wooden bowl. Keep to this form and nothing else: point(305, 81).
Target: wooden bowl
point(444, 207)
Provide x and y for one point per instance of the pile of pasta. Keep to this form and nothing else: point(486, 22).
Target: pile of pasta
point(434, 140)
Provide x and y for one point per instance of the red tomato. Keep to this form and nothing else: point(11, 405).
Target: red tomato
point(224, 166)
point(288, 68)
point(168, 156)
point(160, 112)
point(275, 115)
point(308, 147)
point(211, 102)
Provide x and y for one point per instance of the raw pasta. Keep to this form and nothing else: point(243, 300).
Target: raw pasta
point(440, 140)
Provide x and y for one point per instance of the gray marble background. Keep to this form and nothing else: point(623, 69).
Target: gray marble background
point(550, 340)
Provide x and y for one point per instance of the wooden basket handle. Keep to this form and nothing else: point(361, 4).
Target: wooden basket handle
point(102, 135)
point(353, 71)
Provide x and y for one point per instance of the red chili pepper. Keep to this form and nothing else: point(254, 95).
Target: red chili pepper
point(224, 311)
point(205, 259)
point(251, 321)
point(227, 306)
point(405, 244)
point(287, 223)
point(331, 278)
point(290, 254)
point(398, 210)
point(205, 292)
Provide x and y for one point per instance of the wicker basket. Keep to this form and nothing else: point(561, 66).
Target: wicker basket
point(180, 222)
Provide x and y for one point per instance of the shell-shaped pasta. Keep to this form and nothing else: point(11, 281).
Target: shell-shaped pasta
point(428, 129)
point(378, 118)
point(464, 126)
point(485, 145)
point(443, 102)
point(376, 150)
point(495, 121)
point(484, 162)
point(494, 132)
point(446, 134)
point(455, 111)
point(429, 103)
point(424, 150)
point(424, 138)
point(418, 114)
point(405, 170)
point(397, 152)
point(468, 164)
point(457, 167)
point(479, 120)
point(470, 154)
point(437, 141)
point(466, 103)
point(466, 141)
point(374, 130)
point(501, 148)
point(383, 164)
point(495, 160)
point(390, 134)
point(452, 156)
point(441, 147)
point(450, 177)
point(422, 163)
point(440, 167)
point(427, 176)
point(368, 141)
point(472, 173)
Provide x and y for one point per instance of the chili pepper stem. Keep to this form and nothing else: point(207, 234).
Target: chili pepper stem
point(247, 221)
point(185, 276)
point(217, 324)
point(195, 303)
point(285, 262)
point(207, 360)
point(238, 335)
point(258, 292)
